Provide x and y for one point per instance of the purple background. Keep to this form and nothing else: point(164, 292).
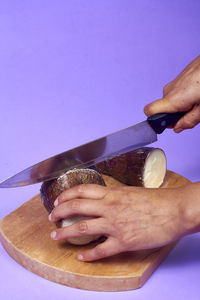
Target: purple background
point(73, 71)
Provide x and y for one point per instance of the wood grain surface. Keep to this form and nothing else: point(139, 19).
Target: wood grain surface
point(25, 235)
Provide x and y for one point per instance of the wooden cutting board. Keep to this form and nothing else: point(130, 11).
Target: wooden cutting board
point(25, 235)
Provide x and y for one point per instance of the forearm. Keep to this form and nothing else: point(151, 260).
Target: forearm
point(190, 208)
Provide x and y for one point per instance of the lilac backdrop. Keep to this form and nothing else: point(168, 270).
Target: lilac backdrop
point(73, 71)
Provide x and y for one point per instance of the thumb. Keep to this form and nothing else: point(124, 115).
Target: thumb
point(159, 106)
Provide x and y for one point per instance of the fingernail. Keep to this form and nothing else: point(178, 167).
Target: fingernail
point(80, 256)
point(56, 202)
point(177, 130)
point(49, 217)
point(53, 235)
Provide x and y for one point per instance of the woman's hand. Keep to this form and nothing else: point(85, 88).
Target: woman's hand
point(131, 218)
point(181, 94)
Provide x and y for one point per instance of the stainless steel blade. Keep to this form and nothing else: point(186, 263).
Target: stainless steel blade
point(86, 155)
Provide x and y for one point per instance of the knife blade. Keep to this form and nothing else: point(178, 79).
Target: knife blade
point(89, 154)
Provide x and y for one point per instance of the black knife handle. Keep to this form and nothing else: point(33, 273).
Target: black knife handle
point(159, 122)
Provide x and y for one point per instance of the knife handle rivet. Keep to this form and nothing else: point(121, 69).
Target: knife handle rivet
point(163, 123)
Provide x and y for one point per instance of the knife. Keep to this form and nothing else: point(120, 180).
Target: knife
point(89, 154)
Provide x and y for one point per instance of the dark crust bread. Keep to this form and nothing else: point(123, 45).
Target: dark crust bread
point(50, 190)
point(128, 168)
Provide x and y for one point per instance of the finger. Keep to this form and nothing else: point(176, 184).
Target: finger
point(189, 120)
point(97, 226)
point(89, 191)
point(85, 207)
point(159, 106)
point(108, 248)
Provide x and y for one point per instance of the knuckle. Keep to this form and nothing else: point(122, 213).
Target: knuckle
point(166, 88)
point(121, 224)
point(126, 241)
point(189, 123)
point(82, 188)
point(130, 193)
point(82, 226)
point(176, 105)
point(75, 205)
point(110, 199)
point(113, 193)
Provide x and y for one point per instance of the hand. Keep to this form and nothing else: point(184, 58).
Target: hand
point(131, 218)
point(181, 94)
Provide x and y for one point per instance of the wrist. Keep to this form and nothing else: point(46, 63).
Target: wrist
point(190, 208)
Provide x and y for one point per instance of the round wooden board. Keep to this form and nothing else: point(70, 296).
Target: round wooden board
point(30, 245)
